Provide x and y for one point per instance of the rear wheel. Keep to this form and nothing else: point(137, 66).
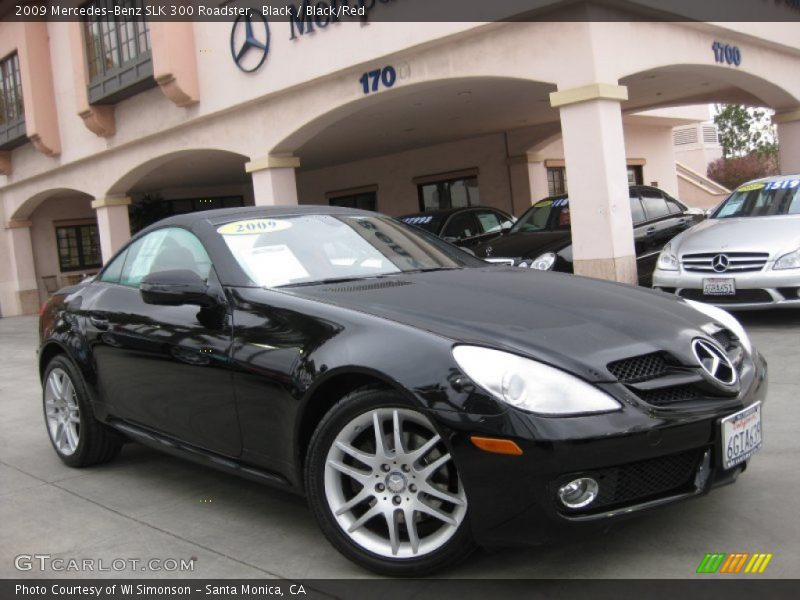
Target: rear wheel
point(77, 437)
point(384, 487)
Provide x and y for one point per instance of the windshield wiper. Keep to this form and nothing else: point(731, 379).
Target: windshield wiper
point(332, 280)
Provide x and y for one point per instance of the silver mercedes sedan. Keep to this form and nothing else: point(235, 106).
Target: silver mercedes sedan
point(746, 255)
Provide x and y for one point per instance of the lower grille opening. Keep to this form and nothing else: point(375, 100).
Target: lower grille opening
point(670, 395)
point(642, 481)
point(740, 297)
point(790, 293)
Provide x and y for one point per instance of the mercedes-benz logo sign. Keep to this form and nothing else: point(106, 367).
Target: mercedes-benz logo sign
point(714, 361)
point(720, 263)
point(250, 41)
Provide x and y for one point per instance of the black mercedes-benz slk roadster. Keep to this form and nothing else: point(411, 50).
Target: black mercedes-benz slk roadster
point(422, 400)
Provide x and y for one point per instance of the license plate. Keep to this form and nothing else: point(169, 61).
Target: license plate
point(741, 435)
point(719, 287)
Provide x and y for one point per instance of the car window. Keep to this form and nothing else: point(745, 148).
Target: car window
point(310, 249)
point(654, 204)
point(539, 216)
point(460, 226)
point(673, 206)
point(167, 249)
point(762, 199)
point(489, 221)
point(637, 211)
point(112, 272)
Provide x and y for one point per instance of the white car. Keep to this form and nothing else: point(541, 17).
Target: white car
point(746, 255)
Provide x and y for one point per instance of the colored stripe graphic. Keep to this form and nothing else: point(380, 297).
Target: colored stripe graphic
point(711, 562)
point(758, 564)
point(735, 562)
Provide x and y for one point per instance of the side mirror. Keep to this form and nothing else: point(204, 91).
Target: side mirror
point(506, 226)
point(175, 288)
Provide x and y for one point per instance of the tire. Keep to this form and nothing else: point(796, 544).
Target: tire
point(383, 491)
point(78, 438)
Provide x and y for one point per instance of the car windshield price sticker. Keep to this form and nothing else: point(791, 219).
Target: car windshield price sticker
point(254, 226)
point(741, 435)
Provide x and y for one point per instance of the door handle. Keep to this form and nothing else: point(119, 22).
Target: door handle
point(650, 231)
point(99, 322)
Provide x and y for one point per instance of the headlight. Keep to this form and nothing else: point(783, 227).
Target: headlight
point(544, 262)
point(788, 261)
point(723, 317)
point(523, 265)
point(667, 261)
point(531, 385)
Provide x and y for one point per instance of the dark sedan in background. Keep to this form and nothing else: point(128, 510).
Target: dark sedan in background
point(541, 239)
point(464, 227)
point(422, 400)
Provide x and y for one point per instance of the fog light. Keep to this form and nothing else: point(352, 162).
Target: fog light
point(578, 493)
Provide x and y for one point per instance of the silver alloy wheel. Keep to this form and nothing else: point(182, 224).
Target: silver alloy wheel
point(392, 486)
point(61, 411)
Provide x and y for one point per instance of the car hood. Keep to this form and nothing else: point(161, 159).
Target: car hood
point(574, 323)
point(523, 245)
point(776, 235)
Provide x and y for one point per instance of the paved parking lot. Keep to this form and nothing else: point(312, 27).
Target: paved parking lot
point(147, 505)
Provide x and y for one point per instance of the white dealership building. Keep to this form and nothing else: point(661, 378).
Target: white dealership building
point(106, 126)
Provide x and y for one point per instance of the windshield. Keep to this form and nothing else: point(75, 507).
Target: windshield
point(762, 200)
point(549, 214)
point(311, 249)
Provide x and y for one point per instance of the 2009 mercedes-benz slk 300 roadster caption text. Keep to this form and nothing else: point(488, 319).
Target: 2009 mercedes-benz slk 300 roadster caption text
point(423, 401)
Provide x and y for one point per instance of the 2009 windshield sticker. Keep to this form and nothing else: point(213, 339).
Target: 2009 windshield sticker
point(254, 226)
point(751, 187)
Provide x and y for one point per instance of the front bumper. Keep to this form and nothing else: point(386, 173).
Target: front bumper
point(513, 499)
point(758, 290)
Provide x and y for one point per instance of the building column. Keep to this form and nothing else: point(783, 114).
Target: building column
point(594, 150)
point(23, 270)
point(113, 224)
point(274, 181)
point(788, 141)
point(537, 176)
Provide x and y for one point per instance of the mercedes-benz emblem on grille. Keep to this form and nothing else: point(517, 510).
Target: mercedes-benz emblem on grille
point(720, 263)
point(714, 361)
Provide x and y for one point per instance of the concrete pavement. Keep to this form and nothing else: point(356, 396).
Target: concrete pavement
point(147, 505)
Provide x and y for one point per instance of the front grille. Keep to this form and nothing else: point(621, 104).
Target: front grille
point(644, 480)
point(662, 381)
point(639, 368)
point(737, 262)
point(670, 395)
point(755, 296)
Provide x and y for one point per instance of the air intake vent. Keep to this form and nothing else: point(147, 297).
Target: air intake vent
point(710, 135)
point(684, 136)
point(363, 287)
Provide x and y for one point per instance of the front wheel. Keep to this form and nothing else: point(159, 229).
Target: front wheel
point(77, 437)
point(384, 488)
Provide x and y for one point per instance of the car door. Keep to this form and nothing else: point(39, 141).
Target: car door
point(165, 368)
point(645, 239)
point(684, 218)
point(461, 228)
